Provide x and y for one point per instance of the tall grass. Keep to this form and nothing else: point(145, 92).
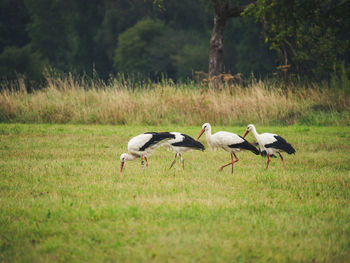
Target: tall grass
point(69, 99)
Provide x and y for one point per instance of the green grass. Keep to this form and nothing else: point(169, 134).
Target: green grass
point(63, 199)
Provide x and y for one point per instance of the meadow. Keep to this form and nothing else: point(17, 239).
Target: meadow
point(81, 100)
point(63, 199)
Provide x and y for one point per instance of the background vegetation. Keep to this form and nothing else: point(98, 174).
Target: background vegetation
point(142, 65)
point(68, 99)
point(142, 68)
point(136, 37)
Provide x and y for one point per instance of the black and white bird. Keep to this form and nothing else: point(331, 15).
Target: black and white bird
point(270, 144)
point(228, 141)
point(182, 143)
point(142, 146)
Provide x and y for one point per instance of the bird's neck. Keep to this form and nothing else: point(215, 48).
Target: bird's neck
point(208, 136)
point(255, 133)
point(130, 157)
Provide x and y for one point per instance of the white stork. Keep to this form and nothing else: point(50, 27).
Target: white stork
point(228, 141)
point(143, 145)
point(182, 143)
point(270, 144)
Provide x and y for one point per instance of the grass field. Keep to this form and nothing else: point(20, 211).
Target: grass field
point(63, 199)
point(76, 100)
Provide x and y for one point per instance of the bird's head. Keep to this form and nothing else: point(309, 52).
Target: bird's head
point(249, 128)
point(123, 158)
point(205, 127)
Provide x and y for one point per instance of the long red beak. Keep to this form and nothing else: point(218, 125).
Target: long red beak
point(121, 166)
point(245, 134)
point(202, 131)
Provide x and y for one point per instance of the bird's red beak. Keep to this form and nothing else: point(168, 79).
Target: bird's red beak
point(121, 166)
point(245, 134)
point(202, 131)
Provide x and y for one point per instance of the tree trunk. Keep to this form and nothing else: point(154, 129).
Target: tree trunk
point(217, 45)
point(223, 12)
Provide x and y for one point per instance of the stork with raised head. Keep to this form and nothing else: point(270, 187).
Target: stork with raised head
point(182, 143)
point(270, 144)
point(228, 141)
point(143, 145)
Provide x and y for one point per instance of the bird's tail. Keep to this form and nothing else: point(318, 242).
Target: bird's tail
point(250, 147)
point(245, 145)
point(253, 149)
point(289, 149)
point(198, 145)
point(190, 143)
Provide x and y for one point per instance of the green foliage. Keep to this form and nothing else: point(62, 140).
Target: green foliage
point(112, 19)
point(13, 20)
point(64, 31)
point(51, 31)
point(188, 15)
point(191, 58)
point(118, 16)
point(312, 36)
point(62, 198)
point(340, 79)
point(134, 49)
point(15, 61)
point(150, 48)
point(81, 36)
point(243, 43)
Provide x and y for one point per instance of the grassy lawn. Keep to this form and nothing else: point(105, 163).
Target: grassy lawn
point(62, 198)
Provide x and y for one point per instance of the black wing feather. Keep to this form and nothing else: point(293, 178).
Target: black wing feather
point(190, 143)
point(281, 144)
point(246, 146)
point(157, 137)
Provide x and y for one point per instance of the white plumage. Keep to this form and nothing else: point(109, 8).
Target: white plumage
point(270, 144)
point(143, 145)
point(228, 141)
point(182, 143)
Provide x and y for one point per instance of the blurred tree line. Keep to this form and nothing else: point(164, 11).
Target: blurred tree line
point(108, 37)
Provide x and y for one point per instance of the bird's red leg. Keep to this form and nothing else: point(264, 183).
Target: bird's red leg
point(268, 161)
point(173, 161)
point(146, 162)
point(285, 168)
point(235, 160)
point(235, 157)
point(182, 161)
point(222, 167)
point(230, 163)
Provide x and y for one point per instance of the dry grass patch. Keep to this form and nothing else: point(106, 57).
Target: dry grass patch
point(73, 100)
